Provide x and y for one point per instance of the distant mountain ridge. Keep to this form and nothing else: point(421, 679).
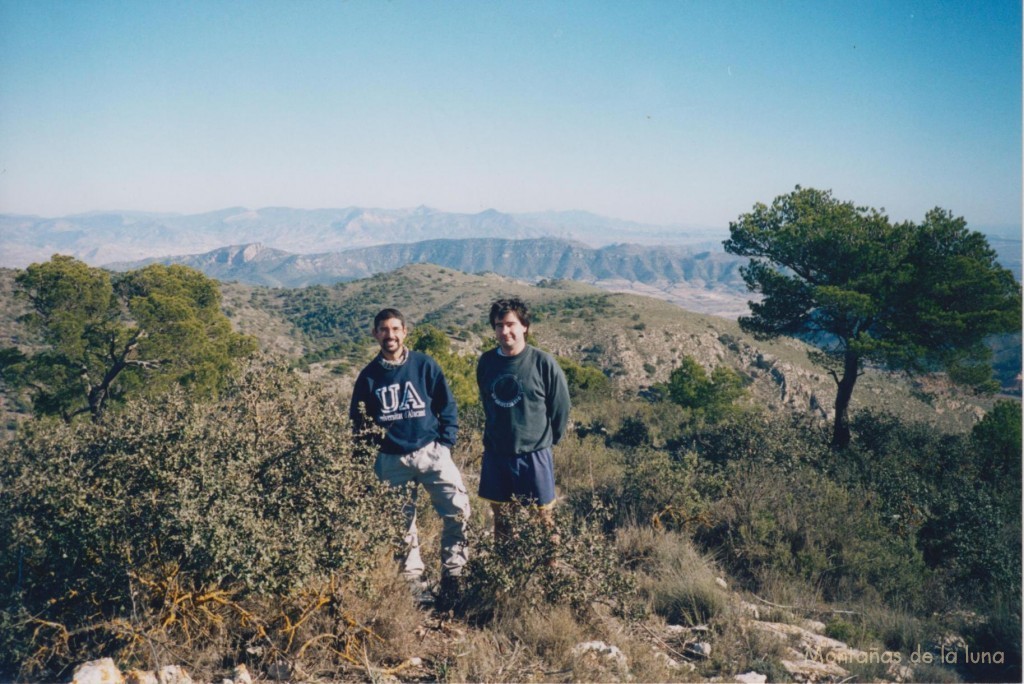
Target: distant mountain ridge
point(529, 259)
point(280, 246)
point(102, 237)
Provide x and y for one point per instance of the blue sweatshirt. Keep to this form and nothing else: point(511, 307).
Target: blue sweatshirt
point(412, 402)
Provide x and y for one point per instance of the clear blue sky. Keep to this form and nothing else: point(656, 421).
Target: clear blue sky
point(668, 112)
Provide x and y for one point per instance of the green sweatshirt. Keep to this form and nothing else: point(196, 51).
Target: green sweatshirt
point(526, 401)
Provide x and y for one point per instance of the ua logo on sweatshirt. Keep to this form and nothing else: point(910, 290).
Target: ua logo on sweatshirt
point(395, 407)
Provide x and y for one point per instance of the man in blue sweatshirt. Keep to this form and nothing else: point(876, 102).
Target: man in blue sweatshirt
point(405, 393)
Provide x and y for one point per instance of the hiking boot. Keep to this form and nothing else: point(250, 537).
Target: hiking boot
point(421, 593)
point(449, 595)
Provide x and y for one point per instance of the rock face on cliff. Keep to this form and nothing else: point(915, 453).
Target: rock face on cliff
point(641, 341)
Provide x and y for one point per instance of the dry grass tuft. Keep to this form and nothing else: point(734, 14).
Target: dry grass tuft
point(394, 618)
point(587, 464)
point(551, 632)
point(491, 655)
point(680, 583)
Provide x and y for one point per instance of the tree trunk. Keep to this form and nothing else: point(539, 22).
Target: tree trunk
point(841, 429)
point(98, 395)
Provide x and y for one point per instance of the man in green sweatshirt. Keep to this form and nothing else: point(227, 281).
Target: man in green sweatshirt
point(526, 410)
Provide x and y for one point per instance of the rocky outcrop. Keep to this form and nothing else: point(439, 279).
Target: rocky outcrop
point(814, 657)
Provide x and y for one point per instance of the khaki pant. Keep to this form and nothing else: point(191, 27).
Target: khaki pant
point(431, 466)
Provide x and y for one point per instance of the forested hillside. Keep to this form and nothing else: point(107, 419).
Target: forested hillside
point(636, 341)
point(708, 529)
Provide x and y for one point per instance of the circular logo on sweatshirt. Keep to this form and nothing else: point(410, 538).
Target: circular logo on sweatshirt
point(506, 391)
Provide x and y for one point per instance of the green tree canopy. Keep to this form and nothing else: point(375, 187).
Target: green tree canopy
point(691, 387)
point(99, 336)
point(583, 379)
point(459, 369)
point(908, 296)
point(429, 339)
point(997, 439)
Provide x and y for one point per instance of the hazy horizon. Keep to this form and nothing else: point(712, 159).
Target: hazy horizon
point(663, 113)
point(1010, 231)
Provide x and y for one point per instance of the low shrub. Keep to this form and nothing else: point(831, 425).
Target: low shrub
point(571, 563)
point(585, 465)
point(957, 496)
point(712, 396)
point(660, 489)
point(800, 523)
point(775, 511)
point(174, 526)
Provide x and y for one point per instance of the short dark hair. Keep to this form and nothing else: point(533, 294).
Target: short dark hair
point(385, 314)
point(503, 307)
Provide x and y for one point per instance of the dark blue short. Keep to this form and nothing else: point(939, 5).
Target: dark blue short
point(529, 476)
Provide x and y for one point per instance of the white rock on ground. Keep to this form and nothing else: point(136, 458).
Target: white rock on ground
point(815, 656)
point(806, 670)
point(814, 625)
point(610, 653)
point(173, 674)
point(241, 675)
point(900, 673)
point(700, 649)
point(666, 660)
point(102, 671)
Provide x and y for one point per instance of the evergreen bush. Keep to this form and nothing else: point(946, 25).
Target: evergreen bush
point(572, 563)
point(776, 510)
point(174, 525)
point(959, 496)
